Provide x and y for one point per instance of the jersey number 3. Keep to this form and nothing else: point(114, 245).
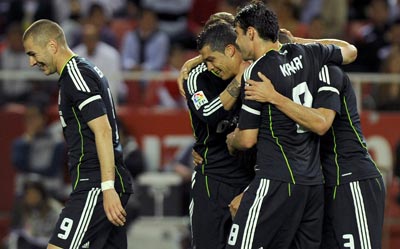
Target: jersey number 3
point(302, 95)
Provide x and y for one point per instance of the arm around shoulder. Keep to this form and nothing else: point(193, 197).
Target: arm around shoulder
point(349, 51)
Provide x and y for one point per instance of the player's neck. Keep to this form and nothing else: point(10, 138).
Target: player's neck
point(64, 56)
point(264, 47)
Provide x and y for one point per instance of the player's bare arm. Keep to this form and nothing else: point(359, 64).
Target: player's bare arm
point(232, 91)
point(197, 159)
point(112, 204)
point(317, 120)
point(234, 205)
point(51, 246)
point(184, 72)
point(349, 51)
point(241, 139)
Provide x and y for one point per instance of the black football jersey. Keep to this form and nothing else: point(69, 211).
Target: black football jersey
point(211, 123)
point(285, 150)
point(83, 96)
point(343, 150)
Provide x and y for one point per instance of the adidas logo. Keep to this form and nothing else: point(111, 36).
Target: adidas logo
point(86, 245)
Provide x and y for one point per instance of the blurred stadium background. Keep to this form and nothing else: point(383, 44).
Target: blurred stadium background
point(149, 103)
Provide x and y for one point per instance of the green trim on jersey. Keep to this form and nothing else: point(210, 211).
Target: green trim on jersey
point(336, 157)
point(280, 146)
point(334, 192)
point(205, 152)
point(205, 161)
point(207, 187)
point(82, 151)
point(289, 189)
point(120, 179)
point(351, 123)
point(62, 69)
point(380, 187)
point(355, 132)
point(191, 124)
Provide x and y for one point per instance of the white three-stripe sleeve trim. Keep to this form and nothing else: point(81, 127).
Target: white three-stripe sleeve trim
point(321, 75)
point(247, 71)
point(328, 79)
point(71, 74)
point(75, 78)
point(192, 80)
point(111, 101)
point(250, 110)
point(86, 216)
point(78, 73)
point(206, 114)
point(212, 107)
point(88, 100)
point(362, 224)
point(324, 75)
point(328, 88)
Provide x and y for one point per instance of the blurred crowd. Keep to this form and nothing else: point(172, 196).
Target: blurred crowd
point(121, 36)
point(153, 35)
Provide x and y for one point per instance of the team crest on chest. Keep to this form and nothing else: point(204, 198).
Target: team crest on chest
point(199, 99)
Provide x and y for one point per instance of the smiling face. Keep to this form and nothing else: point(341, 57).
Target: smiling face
point(219, 63)
point(40, 56)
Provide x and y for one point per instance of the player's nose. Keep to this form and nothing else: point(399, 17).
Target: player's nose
point(32, 61)
point(210, 66)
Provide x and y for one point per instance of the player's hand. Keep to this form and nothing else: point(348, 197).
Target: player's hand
point(183, 75)
point(197, 159)
point(112, 206)
point(288, 34)
point(184, 72)
point(243, 66)
point(261, 91)
point(234, 205)
point(229, 140)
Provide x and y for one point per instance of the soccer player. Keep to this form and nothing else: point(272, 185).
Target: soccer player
point(354, 188)
point(212, 98)
point(283, 206)
point(94, 215)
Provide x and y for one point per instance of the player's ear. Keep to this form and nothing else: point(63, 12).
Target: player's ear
point(230, 50)
point(250, 33)
point(52, 46)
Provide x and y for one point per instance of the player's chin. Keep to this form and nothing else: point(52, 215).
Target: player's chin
point(47, 71)
point(224, 76)
point(227, 77)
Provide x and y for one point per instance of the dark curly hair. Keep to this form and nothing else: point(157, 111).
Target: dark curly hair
point(258, 16)
point(217, 35)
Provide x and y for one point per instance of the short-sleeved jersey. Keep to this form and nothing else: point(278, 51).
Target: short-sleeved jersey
point(286, 151)
point(343, 150)
point(208, 116)
point(83, 96)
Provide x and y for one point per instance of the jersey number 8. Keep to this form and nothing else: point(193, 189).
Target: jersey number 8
point(301, 95)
